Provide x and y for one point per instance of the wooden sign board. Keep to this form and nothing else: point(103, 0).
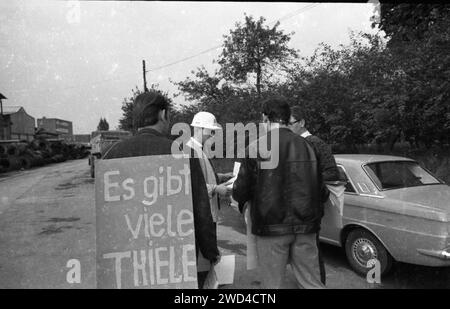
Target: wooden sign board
point(145, 223)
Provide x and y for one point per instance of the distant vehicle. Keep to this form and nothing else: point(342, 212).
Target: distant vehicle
point(394, 210)
point(101, 142)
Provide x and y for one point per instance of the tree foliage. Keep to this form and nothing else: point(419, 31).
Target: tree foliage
point(373, 90)
point(410, 21)
point(368, 92)
point(420, 45)
point(103, 125)
point(228, 93)
point(126, 122)
point(207, 92)
point(253, 47)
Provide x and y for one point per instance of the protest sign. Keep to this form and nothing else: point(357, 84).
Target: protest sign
point(145, 223)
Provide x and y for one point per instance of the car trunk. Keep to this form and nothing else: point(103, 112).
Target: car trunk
point(429, 196)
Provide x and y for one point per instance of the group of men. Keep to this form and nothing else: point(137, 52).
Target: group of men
point(286, 201)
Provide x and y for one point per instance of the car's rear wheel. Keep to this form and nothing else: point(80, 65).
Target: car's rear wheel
point(361, 246)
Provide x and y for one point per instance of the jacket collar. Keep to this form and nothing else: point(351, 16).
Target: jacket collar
point(281, 129)
point(150, 131)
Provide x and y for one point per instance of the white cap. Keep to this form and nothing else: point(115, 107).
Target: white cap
point(205, 120)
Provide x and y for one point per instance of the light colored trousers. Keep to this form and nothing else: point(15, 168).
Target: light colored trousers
point(299, 250)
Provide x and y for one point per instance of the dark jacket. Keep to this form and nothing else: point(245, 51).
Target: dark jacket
point(191, 152)
point(327, 163)
point(286, 199)
point(150, 142)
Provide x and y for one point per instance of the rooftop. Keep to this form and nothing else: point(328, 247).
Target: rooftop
point(7, 110)
point(59, 119)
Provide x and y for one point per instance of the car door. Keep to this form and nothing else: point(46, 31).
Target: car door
point(332, 220)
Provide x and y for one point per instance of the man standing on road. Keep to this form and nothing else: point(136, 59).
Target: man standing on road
point(151, 118)
point(327, 163)
point(205, 125)
point(285, 201)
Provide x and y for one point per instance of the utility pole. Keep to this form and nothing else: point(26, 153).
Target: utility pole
point(145, 79)
point(1, 103)
point(3, 125)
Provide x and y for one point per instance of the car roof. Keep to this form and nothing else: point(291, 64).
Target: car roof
point(368, 158)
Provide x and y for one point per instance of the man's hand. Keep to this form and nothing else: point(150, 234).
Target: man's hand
point(217, 261)
point(223, 190)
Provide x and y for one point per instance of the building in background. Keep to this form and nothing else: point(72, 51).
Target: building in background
point(5, 121)
point(17, 124)
point(61, 127)
point(5, 127)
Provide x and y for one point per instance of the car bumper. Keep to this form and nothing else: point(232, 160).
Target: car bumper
point(440, 254)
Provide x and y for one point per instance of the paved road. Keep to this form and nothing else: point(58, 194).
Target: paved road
point(338, 272)
point(47, 218)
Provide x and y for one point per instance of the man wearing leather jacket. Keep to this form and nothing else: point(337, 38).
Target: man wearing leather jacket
point(286, 201)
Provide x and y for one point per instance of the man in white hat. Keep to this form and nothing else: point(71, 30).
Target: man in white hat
point(205, 125)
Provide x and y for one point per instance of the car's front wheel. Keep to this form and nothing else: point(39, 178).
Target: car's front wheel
point(361, 246)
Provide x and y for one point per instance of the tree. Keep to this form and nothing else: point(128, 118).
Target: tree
point(347, 92)
point(207, 92)
point(103, 125)
point(126, 122)
point(419, 39)
point(253, 47)
point(203, 86)
point(371, 91)
point(410, 21)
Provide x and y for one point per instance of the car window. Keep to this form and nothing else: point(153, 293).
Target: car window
point(343, 177)
point(399, 174)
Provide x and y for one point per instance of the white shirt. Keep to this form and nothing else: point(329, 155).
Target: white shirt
point(305, 134)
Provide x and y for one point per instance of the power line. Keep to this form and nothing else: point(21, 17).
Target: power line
point(122, 76)
point(290, 15)
point(184, 59)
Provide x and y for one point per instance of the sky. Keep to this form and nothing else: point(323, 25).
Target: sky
point(77, 61)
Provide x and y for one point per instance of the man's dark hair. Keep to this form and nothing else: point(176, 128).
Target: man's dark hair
point(297, 113)
point(277, 109)
point(146, 108)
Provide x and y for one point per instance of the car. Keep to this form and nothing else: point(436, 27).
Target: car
point(393, 210)
point(101, 142)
